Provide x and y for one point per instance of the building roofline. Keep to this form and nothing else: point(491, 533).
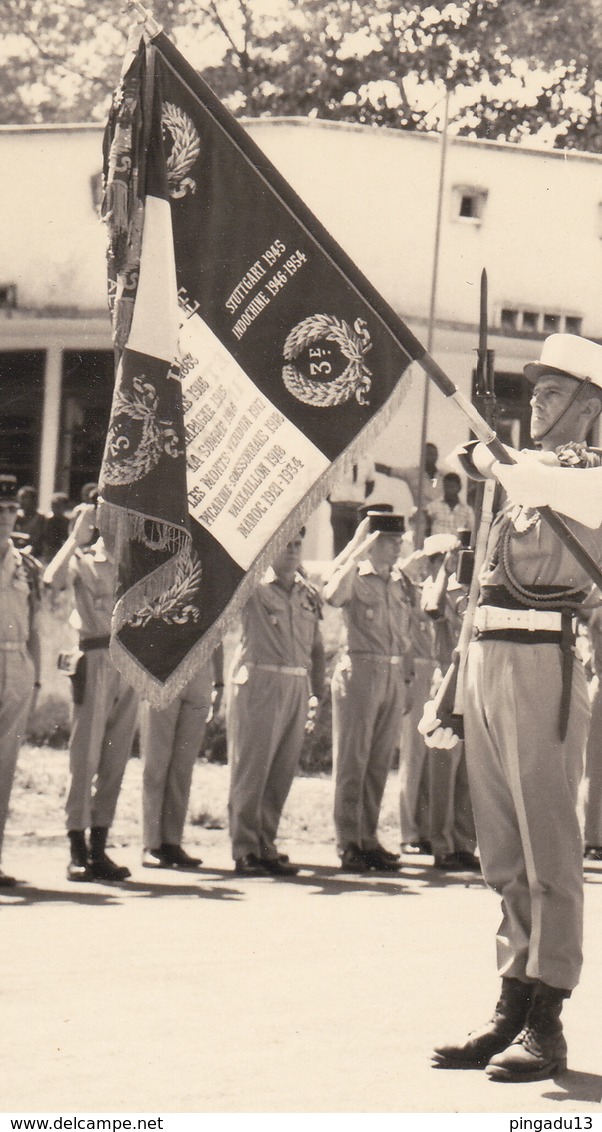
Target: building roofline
point(50, 127)
point(339, 127)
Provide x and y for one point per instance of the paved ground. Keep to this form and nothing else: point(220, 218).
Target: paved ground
point(178, 993)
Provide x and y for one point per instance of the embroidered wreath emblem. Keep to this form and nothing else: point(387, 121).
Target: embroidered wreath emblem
point(175, 606)
point(353, 345)
point(127, 461)
point(184, 152)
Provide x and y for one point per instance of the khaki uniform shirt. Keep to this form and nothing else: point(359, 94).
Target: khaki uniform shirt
point(93, 576)
point(379, 614)
point(17, 601)
point(278, 627)
point(537, 556)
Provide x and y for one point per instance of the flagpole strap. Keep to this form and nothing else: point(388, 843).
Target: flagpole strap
point(151, 27)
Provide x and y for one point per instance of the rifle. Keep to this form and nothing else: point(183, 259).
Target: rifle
point(449, 701)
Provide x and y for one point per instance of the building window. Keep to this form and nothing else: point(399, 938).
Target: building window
point(22, 383)
point(468, 203)
point(509, 319)
point(8, 296)
point(87, 390)
point(530, 322)
point(551, 323)
point(515, 320)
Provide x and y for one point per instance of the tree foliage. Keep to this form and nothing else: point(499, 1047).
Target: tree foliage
point(512, 67)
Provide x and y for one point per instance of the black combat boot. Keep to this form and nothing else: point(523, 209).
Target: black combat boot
point(480, 1045)
point(101, 866)
point(78, 867)
point(539, 1051)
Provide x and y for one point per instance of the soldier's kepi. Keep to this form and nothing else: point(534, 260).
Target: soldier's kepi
point(527, 715)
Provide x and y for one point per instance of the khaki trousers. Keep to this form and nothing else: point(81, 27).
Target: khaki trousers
point(16, 691)
point(593, 773)
point(171, 739)
point(452, 823)
point(524, 784)
point(266, 720)
point(414, 760)
point(368, 700)
point(100, 744)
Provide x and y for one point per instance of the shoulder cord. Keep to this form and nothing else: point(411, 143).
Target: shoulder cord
point(563, 599)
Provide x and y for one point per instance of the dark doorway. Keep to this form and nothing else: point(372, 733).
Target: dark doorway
point(21, 400)
point(88, 379)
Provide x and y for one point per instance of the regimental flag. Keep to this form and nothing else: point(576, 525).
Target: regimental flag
point(256, 364)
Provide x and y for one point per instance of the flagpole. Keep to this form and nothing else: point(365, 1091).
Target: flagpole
point(431, 327)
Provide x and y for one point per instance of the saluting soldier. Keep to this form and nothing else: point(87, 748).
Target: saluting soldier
point(279, 663)
point(369, 684)
point(105, 707)
point(527, 715)
point(19, 647)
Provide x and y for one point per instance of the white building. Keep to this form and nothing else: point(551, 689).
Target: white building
point(532, 217)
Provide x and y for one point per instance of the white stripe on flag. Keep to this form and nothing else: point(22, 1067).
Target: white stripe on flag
point(248, 466)
point(154, 329)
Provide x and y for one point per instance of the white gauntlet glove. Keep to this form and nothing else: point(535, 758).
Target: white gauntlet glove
point(434, 734)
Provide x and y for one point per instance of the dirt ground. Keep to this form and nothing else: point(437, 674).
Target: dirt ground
point(206, 993)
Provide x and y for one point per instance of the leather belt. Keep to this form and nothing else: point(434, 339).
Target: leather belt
point(379, 657)
point(286, 669)
point(534, 626)
point(12, 646)
point(493, 618)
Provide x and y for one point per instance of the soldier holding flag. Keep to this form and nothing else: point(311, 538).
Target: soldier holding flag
point(526, 716)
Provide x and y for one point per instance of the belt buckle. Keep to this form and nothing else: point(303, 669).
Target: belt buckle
point(531, 626)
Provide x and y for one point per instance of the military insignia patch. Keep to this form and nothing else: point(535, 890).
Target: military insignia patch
point(137, 439)
point(325, 361)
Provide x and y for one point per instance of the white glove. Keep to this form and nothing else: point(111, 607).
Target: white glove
point(575, 492)
point(436, 736)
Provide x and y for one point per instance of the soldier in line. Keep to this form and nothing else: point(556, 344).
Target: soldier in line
point(280, 661)
point(105, 707)
point(171, 739)
point(19, 647)
point(527, 716)
point(414, 774)
point(369, 685)
point(451, 822)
